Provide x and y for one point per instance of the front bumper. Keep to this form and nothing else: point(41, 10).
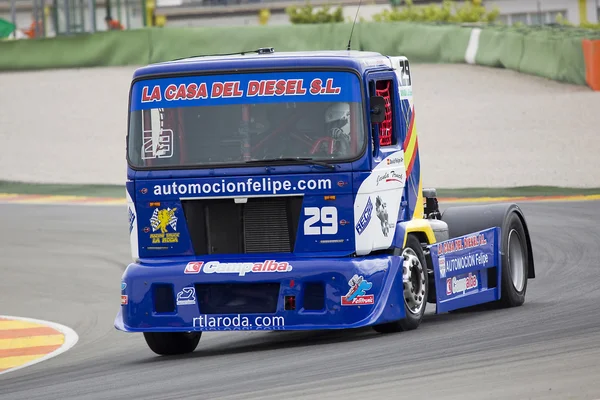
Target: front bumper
point(298, 294)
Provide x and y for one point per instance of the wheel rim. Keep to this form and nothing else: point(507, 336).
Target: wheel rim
point(413, 279)
point(515, 260)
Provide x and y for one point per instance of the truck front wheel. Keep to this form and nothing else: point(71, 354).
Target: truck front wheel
point(172, 343)
point(415, 288)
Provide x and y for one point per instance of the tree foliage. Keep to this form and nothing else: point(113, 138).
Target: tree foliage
point(560, 19)
point(307, 14)
point(263, 16)
point(448, 11)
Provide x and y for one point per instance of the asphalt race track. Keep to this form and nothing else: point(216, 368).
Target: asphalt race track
point(64, 263)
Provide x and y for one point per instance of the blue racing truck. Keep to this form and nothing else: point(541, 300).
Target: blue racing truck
point(282, 191)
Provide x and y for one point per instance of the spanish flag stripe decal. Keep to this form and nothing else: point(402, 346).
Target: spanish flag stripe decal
point(412, 158)
point(410, 131)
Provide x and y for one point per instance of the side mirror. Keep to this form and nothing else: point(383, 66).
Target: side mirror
point(377, 109)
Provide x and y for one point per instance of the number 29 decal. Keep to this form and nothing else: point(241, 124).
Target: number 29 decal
point(327, 216)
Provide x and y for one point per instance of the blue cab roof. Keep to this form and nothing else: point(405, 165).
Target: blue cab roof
point(357, 60)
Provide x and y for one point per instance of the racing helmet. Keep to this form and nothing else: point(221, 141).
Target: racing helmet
point(259, 120)
point(337, 120)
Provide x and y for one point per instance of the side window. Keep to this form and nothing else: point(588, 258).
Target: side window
point(385, 88)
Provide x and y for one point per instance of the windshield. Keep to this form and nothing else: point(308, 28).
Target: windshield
point(234, 119)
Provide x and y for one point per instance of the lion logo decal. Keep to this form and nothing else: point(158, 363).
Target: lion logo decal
point(161, 218)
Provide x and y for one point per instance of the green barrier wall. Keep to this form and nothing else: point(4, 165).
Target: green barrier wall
point(555, 53)
point(552, 53)
point(100, 49)
point(418, 42)
point(168, 44)
point(421, 43)
point(560, 60)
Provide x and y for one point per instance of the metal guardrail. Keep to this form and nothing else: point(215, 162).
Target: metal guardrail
point(199, 3)
point(43, 18)
point(28, 5)
point(245, 7)
point(181, 9)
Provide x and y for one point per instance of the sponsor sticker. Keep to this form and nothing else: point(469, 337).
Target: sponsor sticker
point(469, 242)
point(242, 269)
point(357, 295)
point(442, 264)
point(448, 286)
point(242, 186)
point(124, 300)
point(238, 322)
point(395, 160)
point(131, 219)
point(390, 176)
point(365, 218)
point(162, 220)
point(187, 296)
point(455, 264)
point(255, 88)
point(157, 144)
point(406, 92)
point(193, 267)
point(123, 285)
point(456, 285)
point(237, 89)
point(382, 214)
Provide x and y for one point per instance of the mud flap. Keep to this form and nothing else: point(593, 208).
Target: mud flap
point(467, 270)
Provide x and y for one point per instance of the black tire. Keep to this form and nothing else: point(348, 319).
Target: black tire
point(420, 283)
point(515, 262)
point(172, 343)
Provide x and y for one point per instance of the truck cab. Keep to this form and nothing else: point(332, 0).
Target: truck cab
point(272, 153)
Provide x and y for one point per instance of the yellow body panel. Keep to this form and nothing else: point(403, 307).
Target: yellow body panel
point(419, 226)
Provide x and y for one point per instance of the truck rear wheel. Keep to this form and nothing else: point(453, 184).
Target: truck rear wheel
point(514, 263)
point(415, 288)
point(172, 343)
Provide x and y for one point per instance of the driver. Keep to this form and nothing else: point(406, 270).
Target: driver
point(337, 122)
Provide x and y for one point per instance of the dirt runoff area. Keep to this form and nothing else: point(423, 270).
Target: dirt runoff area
point(478, 127)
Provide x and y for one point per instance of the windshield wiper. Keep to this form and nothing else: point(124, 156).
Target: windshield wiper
point(300, 160)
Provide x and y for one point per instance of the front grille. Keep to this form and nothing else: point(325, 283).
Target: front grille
point(262, 225)
point(266, 227)
point(237, 298)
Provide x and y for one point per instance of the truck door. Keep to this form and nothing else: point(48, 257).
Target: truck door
point(389, 136)
point(380, 197)
point(398, 131)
